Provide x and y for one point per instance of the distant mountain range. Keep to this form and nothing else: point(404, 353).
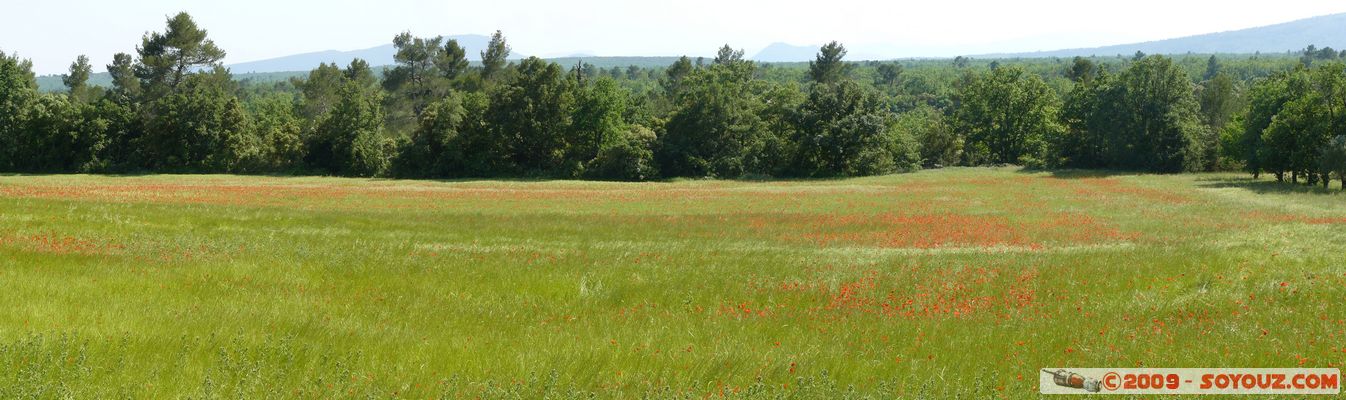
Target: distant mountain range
point(381, 55)
point(297, 68)
point(1324, 31)
point(785, 52)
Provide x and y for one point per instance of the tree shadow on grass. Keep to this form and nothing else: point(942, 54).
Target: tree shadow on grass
point(283, 175)
point(1265, 186)
point(1079, 173)
point(60, 174)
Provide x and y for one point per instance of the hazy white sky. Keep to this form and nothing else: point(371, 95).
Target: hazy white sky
point(52, 33)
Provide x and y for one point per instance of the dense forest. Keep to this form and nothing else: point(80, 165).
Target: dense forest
point(173, 107)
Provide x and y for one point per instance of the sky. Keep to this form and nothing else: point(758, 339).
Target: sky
point(53, 33)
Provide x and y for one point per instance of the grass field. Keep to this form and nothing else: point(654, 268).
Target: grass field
point(932, 284)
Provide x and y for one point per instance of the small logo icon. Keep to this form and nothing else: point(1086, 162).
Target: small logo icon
point(1073, 380)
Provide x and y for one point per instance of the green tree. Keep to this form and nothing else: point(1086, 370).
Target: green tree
point(727, 56)
point(121, 110)
point(1212, 69)
point(349, 140)
point(597, 123)
point(123, 130)
point(532, 113)
point(1290, 129)
point(672, 82)
point(60, 135)
point(629, 157)
point(1330, 85)
point(167, 58)
point(1087, 122)
point(495, 58)
point(320, 91)
point(434, 150)
point(416, 80)
point(843, 131)
point(1266, 98)
point(1313, 53)
point(279, 131)
point(476, 150)
point(1295, 139)
point(125, 84)
point(1162, 120)
point(192, 119)
point(199, 128)
point(828, 67)
point(1145, 118)
point(587, 71)
point(675, 74)
point(360, 73)
point(1082, 71)
point(452, 60)
point(1007, 116)
point(77, 81)
point(939, 144)
point(888, 74)
point(46, 132)
point(780, 105)
point(1219, 101)
point(715, 128)
point(1334, 159)
point(18, 89)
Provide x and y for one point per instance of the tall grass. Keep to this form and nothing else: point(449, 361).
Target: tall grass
point(957, 282)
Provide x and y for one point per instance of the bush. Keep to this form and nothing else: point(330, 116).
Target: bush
point(843, 130)
point(1334, 159)
point(348, 141)
point(201, 128)
point(630, 158)
point(937, 143)
point(279, 132)
point(431, 150)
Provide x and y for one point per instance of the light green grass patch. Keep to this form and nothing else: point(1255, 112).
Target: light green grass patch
point(957, 282)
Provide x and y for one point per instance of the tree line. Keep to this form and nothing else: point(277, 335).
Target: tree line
point(173, 107)
point(1294, 125)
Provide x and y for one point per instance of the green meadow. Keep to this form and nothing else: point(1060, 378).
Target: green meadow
point(955, 282)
